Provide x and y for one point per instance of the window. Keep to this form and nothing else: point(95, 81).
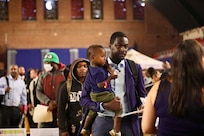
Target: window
point(4, 10)
point(51, 9)
point(120, 9)
point(96, 9)
point(77, 11)
point(28, 9)
point(138, 9)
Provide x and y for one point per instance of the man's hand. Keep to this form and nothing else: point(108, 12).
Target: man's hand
point(30, 107)
point(7, 89)
point(25, 109)
point(113, 105)
point(52, 105)
point(140, 108)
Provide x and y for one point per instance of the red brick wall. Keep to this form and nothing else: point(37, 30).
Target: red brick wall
point(152, 35)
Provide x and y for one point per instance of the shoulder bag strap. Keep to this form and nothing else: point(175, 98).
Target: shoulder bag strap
point(134, 70)
point(7, 82)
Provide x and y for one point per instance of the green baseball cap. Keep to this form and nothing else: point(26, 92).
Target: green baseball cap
point(51, 57)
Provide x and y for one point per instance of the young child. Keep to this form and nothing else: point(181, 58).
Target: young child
point(101, 89)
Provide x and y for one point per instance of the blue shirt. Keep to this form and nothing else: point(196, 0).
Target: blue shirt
point(17, 95)
point(118, 84)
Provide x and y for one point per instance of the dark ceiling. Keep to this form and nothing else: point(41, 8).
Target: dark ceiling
point(182, 14)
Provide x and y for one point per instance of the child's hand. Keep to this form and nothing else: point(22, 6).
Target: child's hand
point(114, 75)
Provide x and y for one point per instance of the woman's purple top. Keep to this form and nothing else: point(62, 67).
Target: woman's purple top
point(169, 125)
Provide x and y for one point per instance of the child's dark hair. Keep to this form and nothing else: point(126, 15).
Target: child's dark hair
point(91, 50)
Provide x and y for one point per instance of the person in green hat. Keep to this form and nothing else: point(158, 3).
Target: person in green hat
point(47, 85)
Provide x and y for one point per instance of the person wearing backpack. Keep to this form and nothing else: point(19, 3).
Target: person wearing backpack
point(14, 95)
point(68, 94)
point(127, 88)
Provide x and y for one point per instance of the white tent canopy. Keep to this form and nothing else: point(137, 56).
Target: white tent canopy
point(143, 60)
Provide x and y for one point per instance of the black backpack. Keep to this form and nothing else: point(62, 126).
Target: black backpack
point(134, 70)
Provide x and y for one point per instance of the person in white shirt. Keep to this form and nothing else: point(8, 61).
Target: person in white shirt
point(32, 99)
point(14, 96)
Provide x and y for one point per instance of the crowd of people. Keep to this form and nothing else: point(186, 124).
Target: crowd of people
point(101, 96)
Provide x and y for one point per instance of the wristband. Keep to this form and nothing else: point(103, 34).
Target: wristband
point(105, 84)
